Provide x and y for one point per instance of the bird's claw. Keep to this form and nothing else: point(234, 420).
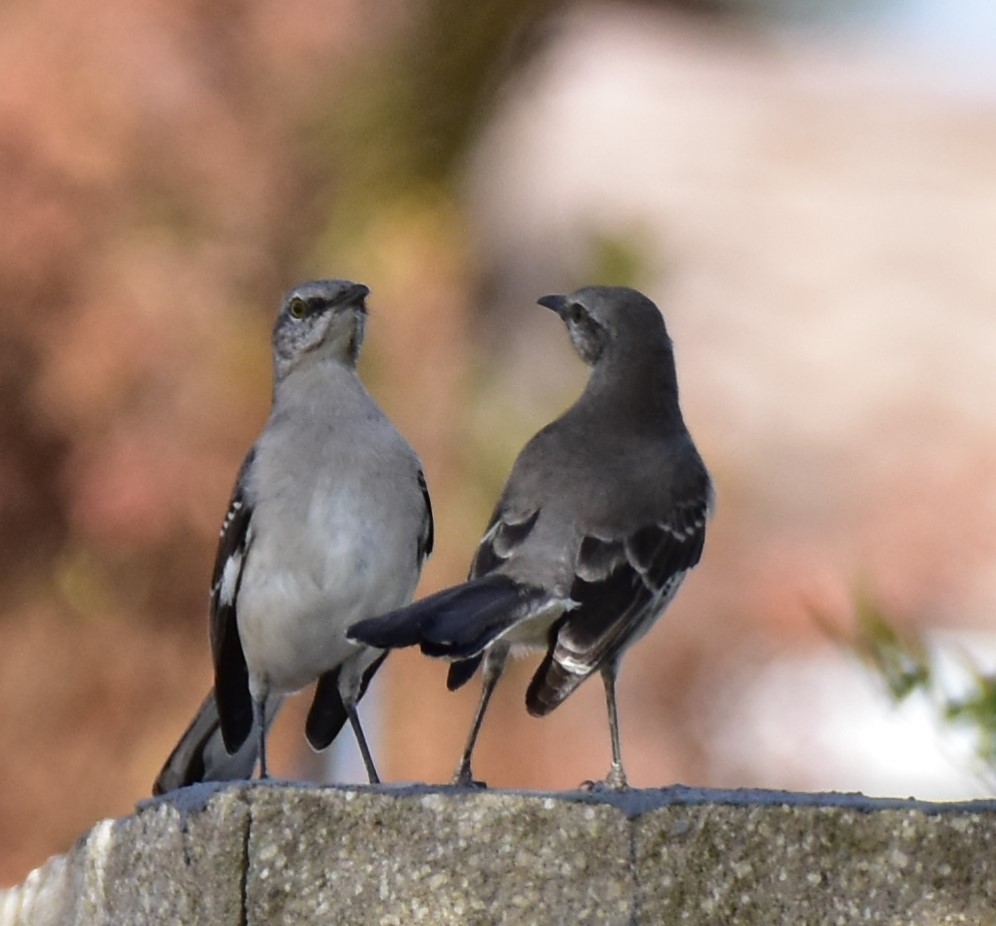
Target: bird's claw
point(614, 781)
point(465, 779)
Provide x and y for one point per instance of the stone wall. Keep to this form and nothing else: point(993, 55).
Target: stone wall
point(291, 854)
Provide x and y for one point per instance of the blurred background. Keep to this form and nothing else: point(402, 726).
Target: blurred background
point(807, 189)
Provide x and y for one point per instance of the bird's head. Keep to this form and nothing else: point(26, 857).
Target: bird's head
point(609, 320)
point(321, 319)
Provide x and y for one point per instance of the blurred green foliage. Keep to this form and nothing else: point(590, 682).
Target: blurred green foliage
point(977, 710)
point(405, 120)
point(908, 666)
point(902, 662)
point(620, 259)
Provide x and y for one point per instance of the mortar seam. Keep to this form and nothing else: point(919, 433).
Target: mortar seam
point(244, 873)
point(634, 918)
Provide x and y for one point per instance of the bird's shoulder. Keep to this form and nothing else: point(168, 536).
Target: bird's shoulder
point(235, 526)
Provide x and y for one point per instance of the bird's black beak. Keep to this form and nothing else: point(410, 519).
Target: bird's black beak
point(355, 295)
point(557, 303)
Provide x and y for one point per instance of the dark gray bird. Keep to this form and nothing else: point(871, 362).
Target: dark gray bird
point(603, 515)
point(329, 523)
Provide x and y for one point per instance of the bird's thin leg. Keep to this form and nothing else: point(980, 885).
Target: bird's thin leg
point(617, 776)
point(361, 741)
point(494, 665)
point(259, 718)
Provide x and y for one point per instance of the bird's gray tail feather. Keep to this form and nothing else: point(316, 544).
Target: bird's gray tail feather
point(200, 755)
point(457, 623)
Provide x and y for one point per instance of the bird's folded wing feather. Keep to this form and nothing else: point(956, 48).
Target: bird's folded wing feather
point(621, 585)
point(506, 532)
point(231, 673)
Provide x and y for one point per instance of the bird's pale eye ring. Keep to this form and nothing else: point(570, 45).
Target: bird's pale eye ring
point(297, 308)
point(575, 312)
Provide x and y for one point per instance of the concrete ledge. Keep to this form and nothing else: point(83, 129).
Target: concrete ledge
point(291, 854)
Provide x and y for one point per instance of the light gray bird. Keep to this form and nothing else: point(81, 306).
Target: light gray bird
point(329, 523)
point(603, 515)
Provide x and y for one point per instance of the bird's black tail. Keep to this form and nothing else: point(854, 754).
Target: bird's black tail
point(200, 755)
point(328, 712)
point(457, 623)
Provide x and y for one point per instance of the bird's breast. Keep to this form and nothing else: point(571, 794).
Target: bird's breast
point(303, 587)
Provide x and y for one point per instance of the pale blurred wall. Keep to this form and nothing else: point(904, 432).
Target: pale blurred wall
point(812, 219)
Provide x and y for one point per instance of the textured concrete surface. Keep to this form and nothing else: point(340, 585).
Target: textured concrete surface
point(291, 854)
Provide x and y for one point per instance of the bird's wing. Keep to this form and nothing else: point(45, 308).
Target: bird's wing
point(427, 536)
point(506, 532)
point(231, 675)
point(622, 585)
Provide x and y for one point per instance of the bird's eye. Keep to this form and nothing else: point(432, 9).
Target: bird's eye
point(297, 308)
point(575, 312)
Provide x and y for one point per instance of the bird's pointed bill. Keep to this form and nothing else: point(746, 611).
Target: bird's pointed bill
point(556, 303)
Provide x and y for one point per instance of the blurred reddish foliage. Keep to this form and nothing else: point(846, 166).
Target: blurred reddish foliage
point(159, 194)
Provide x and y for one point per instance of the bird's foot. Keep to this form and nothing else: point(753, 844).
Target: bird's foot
point(464, 778)
point(614, 781)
